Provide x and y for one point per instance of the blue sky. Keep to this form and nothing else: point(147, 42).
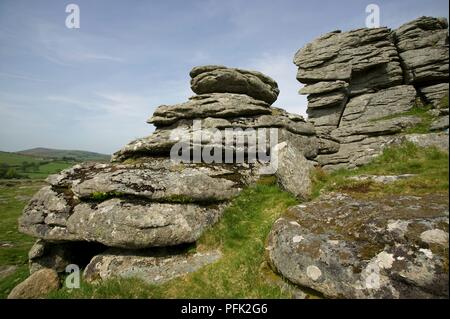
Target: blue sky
point(93, 88)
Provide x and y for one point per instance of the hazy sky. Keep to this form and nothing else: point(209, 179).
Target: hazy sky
point(93, 88)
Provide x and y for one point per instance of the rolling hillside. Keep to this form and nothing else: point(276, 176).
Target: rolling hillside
point(38, 163)
point(61, 154)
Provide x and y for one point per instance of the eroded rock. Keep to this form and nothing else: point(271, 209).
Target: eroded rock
point(151, 267)
point(220, 79)
point(395, 246)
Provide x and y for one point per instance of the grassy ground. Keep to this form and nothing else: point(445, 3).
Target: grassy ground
point(36, 168)
point(429, 165)
point(49, 168)
point(14, 246)
point(17, 159)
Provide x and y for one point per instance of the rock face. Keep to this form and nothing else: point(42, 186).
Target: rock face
point(345, 247)
point(149, 267)
point(166, 189)
point(38, 285)
point(363, 85)
point(220, 79)
point(423, 48)
point(293, 170)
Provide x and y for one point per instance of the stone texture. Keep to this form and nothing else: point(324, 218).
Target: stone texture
point(326, 100)
point(220, 79)
point(346, 55)
point(435, 94)
point(218, 105)
point(423, 47)
point(45, 255)
point(149, 196)
point(388, 102)
point(440, 124)
point(329, 117)
point(357, 153)
point(38, 285)
point(293, 170)
point(112, 193)
point(395, 246)
point(324, 87)
point(161, 184)
point(130, 223)
point(163, 139)
point(355, 132)
point(361, 84)
point(328, 146)
point(58, 255)
point(146, 265)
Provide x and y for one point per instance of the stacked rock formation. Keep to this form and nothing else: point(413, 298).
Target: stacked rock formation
point(366, 89)
point(364, 85)
point(144, 199)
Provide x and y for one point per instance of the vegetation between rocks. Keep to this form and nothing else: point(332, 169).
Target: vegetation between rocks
point(429, 167)
point(240, 234)
point(240, 273)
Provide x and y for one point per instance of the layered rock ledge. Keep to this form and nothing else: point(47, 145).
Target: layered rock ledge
point(364, 85)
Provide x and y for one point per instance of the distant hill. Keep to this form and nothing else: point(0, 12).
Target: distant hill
point(79, 156)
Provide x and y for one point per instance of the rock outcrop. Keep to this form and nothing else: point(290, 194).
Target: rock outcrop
point(368, 85)
point(345, 247)
point(151, 195)
point(367, 89)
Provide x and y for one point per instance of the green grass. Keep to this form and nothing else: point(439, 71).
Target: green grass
point(240, 273)
point(17, 159)
point(420, 111)
point(50, 168)
point(14, 246)
point(44, 166)
point(41, 168)
point(429, 164)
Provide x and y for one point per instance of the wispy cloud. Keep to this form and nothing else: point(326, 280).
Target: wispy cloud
point(65, 46)
point(21, 77)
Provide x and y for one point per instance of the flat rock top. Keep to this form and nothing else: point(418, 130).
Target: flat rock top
point(350, 217)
